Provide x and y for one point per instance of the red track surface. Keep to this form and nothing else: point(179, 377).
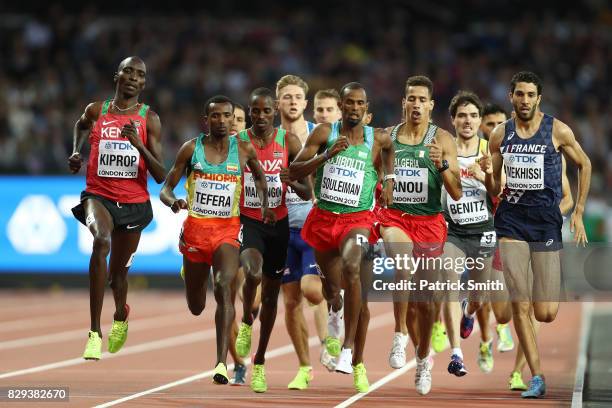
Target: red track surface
point(38, 329)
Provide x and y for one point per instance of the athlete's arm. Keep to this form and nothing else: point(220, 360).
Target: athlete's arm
point(179, 168)
point(306, 162)
point(567, 201)
point(81, 130)
point(491, 163)
point(387, 154)
point(565, 140)
point(152, 153)
point(443, 147)
point(269, 217)
point(302, 187)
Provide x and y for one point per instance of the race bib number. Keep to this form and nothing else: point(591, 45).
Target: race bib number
point(524, 171)
point(411, 185)
point(341, 184)
point(117, 158)
point(471, 208)
point(291, 197)
point(214, 198)
point(488, 239)
point(275, 191)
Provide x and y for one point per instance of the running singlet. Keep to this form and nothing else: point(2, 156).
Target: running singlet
point(115, 169)
point(533, 166)
point(418, 183)
point(345, 183)
point(298, 209)
point(271, 157)
point(213, 190)
point(472, 213)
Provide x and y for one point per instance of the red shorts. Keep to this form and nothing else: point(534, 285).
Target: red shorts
point(325, 230)
point(497, 262)
point(427, 232)
point(200, 237)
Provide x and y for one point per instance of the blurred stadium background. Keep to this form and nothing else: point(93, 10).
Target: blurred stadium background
point(55, 59)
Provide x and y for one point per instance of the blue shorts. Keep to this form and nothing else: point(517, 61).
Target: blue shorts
point(300, 259)
point(540, 227)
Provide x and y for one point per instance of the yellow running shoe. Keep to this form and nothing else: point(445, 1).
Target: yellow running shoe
point(333, 346)
point(302, 379)
point(243, 340)
point(258, 378)
point(360, 378)
point(118, 333)
point(438, 337)
point(485, 357)
point(515, 383)
point(220, 376)
point(93, 349)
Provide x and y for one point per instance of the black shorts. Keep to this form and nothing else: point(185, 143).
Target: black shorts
point(132, 217)
point(473, 245)
point(271, 241)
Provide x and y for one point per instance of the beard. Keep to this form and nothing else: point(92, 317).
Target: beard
point(525, 116)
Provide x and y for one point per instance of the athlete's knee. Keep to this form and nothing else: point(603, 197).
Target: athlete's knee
point(502, 312)
point(312, 294)
point(222, 291)
point(102, 244)
point(291, 304)
point(252, 272)
point(350, 269)
point(545, 315)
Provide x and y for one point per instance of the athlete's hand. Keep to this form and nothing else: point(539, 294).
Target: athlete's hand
point(477, 172)
point(284, 175)
point(178, 205)
point(269, 216)
point(340, 145)
point(130, 132)
point(486, 164)
point(435, 153)
point(577, 227)
point(386, 198)
point(75, 162)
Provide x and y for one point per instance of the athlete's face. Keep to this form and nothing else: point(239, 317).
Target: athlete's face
point(131, 77)
point(354, 105)
point(417, 104)
point(466, 121)
point(291, 102)
point(262, 112)
point(219, 119)
point(490, 121)
point(525, 100)
point(326, 110)
point(239, 122)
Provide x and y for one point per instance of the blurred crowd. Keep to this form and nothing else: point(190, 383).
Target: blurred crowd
point(54, 63)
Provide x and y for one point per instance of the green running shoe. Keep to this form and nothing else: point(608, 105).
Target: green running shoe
point(485, 357)
point(118, 333)
point(93, 349)
point(505, 342)
point(333, 346)
point(515, 383)
point(258, 378)
point(220, 377)
point(243, 340)
point(360, 378)
point(439, 340)
point(302, 379)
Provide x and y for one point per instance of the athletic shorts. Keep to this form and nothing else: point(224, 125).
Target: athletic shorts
point(270, 240)
point(132, 217)
point(473, 245)
point(300, 258)
point(427, 232)
point(540, 227)
point(201, 237)
point(325, 230)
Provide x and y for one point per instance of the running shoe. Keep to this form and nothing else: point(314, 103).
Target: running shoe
point(258, 378)
point(537, 388)
point(118, 333)
point(439, 340)
point(515, 383)
point(239, 375)
point(467, 323)
point(485, 357)
point(397, 357)
point(220, 377)
point(302, 379)
point(505, 342)
point(422, 379)
point(243, 340)
point(327, 360)
point(360, 378)
point(344, 364)
point(456, 366)
point(335, 329)
point(93, 349)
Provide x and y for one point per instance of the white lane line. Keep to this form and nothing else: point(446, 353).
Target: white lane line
point(581, 361)
point(375, 323)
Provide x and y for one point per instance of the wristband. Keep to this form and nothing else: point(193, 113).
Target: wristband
point(389, 177)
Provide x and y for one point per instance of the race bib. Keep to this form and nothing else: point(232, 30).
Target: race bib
point(214, 198)
point(291, 197)
point(341, 184)
point(471, 208)
point(411, 185)
point(488, 239)
point(524, 171)
point(275, 191)
point(117, 158)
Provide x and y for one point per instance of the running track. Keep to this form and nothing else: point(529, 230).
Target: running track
point(169, 355)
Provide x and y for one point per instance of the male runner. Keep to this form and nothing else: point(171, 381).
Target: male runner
point(326, 108)
point(528, 220)
point(265, 239)
point(124, 135)
point(425, 158)
point(343, 155)
point(210, 236)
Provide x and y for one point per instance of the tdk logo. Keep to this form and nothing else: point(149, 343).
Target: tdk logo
point(408, 172)
point(471, 193)
point(215, 186)
point(118, 146)
point(272, 178)
point(343, 172)
point(525, 159)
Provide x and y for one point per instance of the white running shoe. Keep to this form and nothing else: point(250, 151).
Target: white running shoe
point(397, 357)
point(327, 360)
point(344, 364)
point(422, 380)
point(335, 321)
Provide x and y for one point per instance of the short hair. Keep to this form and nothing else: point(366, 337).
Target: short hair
point(217, 99)
point(291, 80)
point(327, 93)
point(493, 108)
point(526, 76)
point(420, 80)
point(463, 98)
point(265, 92)
point(350, 87)
point(239, 106)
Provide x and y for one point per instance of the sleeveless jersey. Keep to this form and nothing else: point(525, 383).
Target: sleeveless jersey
point(345, 183)
point(297, 208)
point(533, 167)
point(473, 212)
point(418, 183)
point(271, 157)
point(115, 169)
point(213, 190)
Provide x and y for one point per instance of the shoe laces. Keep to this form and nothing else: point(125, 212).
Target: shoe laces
point(397, 347)
point(359, 369)
point(485, 349)
point(257, 370)
point(118, 329)
point(535, 383)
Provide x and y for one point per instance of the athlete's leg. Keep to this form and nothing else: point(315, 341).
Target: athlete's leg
point(123, 249)
point(312, 289)
point(196, 278)
point(546, 285)
point(225, 267)
point(252, 262)
point(520, 361)
point(270, 287)
point(484, 316)
point(500, 300)
point(330, 263)
point(294, 319)
point(236, 284)
point(365, 278)
point(320, 316)
point(450, 307)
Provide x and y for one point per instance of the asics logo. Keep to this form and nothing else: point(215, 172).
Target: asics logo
point(549, 242)
point(511, 135)
point(104, 123)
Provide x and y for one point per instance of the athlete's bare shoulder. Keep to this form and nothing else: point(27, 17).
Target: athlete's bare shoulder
point(92, 111)
point(497, 135)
